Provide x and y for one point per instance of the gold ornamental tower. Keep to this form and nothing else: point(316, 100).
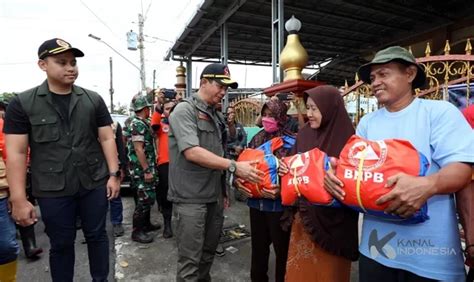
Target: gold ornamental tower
point(180, 85)
point(293, 57)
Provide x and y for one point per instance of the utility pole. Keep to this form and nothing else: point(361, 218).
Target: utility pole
point(111, 90)
point(142, 52)
point(154, 77)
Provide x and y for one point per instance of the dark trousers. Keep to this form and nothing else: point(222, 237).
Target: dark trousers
point(372, 271)
point(59, 216)
point(198, 232)
point(116, 210)
point(266, 230)
point(164, 205)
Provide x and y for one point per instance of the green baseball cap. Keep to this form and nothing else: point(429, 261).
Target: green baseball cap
point(397, 54)
point(139, 102)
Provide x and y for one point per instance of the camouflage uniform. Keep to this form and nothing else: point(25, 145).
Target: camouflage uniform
point(127, 135)
point(140, 131)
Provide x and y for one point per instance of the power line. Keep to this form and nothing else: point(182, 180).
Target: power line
point(103, 22)
point(182, 10)
point(160, 39)
point(147, 10)
point(113, 49)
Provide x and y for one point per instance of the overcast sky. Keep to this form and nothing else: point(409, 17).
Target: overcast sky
point(25, 24)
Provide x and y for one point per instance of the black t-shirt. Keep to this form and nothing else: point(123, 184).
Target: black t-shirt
point(17, 122)
point(62, 104)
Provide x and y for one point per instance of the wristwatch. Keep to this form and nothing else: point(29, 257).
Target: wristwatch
point(232, 167)
point(117, 173)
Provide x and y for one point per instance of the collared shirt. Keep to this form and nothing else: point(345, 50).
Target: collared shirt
point(194, 123)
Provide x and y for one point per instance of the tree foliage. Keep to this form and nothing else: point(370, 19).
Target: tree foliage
point(120, 109)
point(7, 96)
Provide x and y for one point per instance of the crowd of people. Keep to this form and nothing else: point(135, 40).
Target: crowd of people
point(183, 153)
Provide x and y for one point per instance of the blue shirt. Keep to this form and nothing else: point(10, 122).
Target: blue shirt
point(431, 249)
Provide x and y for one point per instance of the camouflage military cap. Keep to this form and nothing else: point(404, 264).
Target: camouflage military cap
point(139, 102)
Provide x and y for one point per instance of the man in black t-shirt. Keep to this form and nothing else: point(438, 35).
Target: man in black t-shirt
point(73, 160)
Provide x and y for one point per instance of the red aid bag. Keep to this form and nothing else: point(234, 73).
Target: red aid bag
point(267, 163)
point(306, 179)
point(364, 167)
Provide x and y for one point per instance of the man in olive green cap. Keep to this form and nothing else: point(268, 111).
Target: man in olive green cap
point(430, 250)
point(141, 154)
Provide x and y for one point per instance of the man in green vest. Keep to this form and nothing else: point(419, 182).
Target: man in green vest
point(197, 163)
point(73, 158)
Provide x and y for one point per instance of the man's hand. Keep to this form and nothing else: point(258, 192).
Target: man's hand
point(272, 194)
point(282, 168)
point(23, 212)
point(113, 188)
point(247, 171)
point(148, 177)
point(238, 150)
point(409, 193)
point(160, 94)
point(331, 183)
point(122, 174)
point(242, 189)
point(226, 202)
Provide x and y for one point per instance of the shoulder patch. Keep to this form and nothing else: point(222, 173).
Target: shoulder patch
point(203, 116)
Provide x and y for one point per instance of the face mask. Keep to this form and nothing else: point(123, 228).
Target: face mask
point(270, 125)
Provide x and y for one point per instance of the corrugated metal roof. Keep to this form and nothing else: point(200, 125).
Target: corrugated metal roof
point(343, 32)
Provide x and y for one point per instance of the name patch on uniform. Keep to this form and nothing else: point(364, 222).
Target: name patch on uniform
point(203, 116)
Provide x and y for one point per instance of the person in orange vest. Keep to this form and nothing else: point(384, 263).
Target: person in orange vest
point(27, 233)
point(9, 248)
point(160, 124)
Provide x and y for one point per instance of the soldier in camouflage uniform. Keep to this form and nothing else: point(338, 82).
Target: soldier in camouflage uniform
point(141, 154)
point(127, 135)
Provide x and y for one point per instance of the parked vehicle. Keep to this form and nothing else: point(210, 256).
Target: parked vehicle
point(121, 120)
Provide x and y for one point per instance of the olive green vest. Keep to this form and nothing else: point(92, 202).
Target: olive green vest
point(63, 157)
point(189, 182)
